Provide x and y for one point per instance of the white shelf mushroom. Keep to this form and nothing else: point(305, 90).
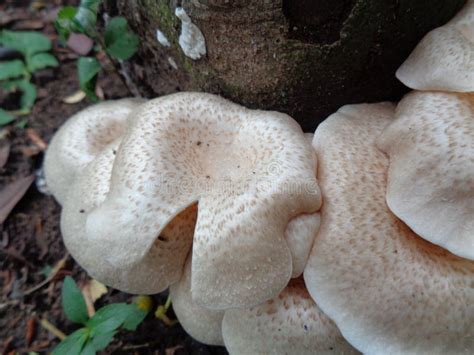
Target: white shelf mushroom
point(444, 59)
point(291, 323)
point(252, 173)
point(431, 173)
point(81, 139)
point(164, 261)
point(388, 290)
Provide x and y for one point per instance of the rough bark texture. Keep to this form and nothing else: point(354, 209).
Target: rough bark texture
point(306, 58)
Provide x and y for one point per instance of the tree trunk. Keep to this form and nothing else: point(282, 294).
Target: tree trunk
point(306, 58)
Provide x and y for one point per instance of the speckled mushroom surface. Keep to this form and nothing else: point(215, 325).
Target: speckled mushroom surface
point(250, 172)
point(291, 323)
point(388, 290)
point(444, 59)
point(204, 325)
point(431, 173)
point(81, 139)
point(163, 263)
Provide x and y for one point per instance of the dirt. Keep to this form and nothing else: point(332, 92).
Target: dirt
point(30, 240)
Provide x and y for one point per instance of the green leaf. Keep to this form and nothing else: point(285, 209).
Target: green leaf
point(65, 23)
point(87, 70)
point(28, 97)
point(108, 318)
point(86, 16)
point(73, 343)
point(73, 302)
point(120, 42)
point(26, 42)
point(40, 61)
point(101, 341)
point(88, 349)
point(5, 117)
point(11, 69)
point(135, 317)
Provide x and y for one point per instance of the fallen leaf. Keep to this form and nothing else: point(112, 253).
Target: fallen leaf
point(30, 330)
point(92, 291)
point(78, 96)
point(12, 194)
point(80, 43)
point(28, 25)
point(4, 154)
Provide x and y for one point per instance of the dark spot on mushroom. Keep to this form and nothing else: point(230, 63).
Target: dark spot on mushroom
point(163, 239)
point(305, 327)
point(331, 348)
point(198, 143)
point(208, 177)
point(81, 211)
point(114, 152)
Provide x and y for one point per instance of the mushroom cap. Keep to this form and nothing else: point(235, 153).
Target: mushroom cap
point(300, 234)
point(202, 324)
point(388, 290)
point(444, 59)
point(431, 172)
point(89, 191)
point(250, 171)
point(81, 139)
point(291, 323)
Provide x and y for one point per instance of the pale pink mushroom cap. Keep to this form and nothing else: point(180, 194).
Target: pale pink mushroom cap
point(431, 171)
point(444, 59)
point(250, 172)
point(81, 139)
point(204, 325)
point(164, 261)
point(291, 323)
point(388, 290)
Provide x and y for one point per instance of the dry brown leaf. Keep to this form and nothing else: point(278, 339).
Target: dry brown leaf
point(92, 291)
point(30, 330)
point(78, 96)
point(12, 194)
point(4, 154)
point(79, 43)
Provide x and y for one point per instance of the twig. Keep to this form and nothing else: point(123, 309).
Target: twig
point(52, 329)
point(61, 263)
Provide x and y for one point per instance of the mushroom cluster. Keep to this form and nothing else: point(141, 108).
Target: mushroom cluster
point(359, 238)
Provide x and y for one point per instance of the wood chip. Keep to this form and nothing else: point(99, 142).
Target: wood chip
point(36, 139)
point(78, 96)
point(4, 154)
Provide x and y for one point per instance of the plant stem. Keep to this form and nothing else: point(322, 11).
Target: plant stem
point(52, 329)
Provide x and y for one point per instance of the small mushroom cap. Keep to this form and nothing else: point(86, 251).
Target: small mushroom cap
point(147, 276)
point(431, 173)
point(250, 171)
point(388, 290)
point(202, 324)
point(81, 139)
point(291, 323)
point(444, 59)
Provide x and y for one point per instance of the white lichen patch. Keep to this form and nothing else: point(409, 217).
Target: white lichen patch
point(160, 36)
point(191, 39)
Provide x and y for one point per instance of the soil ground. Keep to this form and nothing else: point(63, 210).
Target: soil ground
point(30, 240)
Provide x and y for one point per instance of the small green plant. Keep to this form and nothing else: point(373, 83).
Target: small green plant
point(97, 331)
point(118, 42)
point(16, 74)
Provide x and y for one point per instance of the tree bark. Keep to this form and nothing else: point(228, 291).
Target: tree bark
point(306, 58)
